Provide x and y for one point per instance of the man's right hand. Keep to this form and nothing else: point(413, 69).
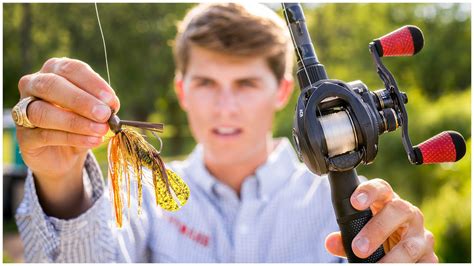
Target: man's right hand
point(71, 116)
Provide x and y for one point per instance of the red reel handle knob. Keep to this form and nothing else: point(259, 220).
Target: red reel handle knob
point(405, 41)
point(447, 146)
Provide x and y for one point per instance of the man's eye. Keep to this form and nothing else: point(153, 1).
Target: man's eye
point(205, 83)
point(247, 84)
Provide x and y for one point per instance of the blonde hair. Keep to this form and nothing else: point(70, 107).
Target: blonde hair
point(245, 30)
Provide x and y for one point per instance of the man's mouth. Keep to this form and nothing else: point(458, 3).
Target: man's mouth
point(226, 131)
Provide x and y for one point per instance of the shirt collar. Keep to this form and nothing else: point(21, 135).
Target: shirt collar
point(278, 168)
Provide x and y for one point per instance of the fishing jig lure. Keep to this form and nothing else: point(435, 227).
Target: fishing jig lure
point(129, 154)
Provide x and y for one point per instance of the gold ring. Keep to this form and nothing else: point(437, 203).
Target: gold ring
point(19, 114)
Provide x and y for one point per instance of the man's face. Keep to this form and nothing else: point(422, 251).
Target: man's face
point(230, 102)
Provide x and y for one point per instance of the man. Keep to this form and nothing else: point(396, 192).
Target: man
point(251, 200)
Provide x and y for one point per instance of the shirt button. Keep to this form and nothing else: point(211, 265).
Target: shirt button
point(243, 229)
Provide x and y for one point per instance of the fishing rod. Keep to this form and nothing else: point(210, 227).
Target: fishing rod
point(337, 124)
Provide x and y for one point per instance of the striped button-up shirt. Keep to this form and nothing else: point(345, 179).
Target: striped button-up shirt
point(283, 214)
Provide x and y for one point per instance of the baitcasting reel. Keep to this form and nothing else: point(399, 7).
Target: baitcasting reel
point(337, 124)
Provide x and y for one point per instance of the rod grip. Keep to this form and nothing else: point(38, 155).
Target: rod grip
point(350, 227)
point(350, 220)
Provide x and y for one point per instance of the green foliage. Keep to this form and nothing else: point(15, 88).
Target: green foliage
point(437, 81)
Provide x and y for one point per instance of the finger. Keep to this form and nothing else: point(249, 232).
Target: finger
point(45, 115)
point(375, 191)
point(334, 244)
point(429, 258)
point(396, 214)
point(38, 138)
point(408, 250)
point(56, 89)
point(84, 77)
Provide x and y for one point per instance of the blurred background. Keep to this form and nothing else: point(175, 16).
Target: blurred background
point(139, 38)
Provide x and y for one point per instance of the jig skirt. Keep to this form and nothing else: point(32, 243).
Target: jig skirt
point(129, 155)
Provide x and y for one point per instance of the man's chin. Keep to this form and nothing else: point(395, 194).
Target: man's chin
point(226, 155)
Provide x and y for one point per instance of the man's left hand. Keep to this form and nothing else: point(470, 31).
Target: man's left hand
point(396, 224)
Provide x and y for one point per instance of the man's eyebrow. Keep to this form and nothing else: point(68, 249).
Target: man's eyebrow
point(200, 78)
point(250, 78)
point(257, 79)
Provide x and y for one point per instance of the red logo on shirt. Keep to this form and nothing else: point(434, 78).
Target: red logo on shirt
point(189, 232)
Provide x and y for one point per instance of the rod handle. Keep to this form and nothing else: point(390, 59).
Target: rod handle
point(350, 220)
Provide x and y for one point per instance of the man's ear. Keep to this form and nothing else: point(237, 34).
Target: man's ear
point(284, 91)
point(180, 92)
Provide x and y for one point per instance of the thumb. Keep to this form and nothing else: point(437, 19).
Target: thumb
point(334, 244)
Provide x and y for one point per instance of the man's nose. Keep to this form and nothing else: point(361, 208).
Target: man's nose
point(227, 101)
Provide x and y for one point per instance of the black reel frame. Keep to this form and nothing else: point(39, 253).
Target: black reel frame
point(366, 109)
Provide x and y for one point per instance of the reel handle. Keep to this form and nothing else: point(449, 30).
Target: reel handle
point(350, 220)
